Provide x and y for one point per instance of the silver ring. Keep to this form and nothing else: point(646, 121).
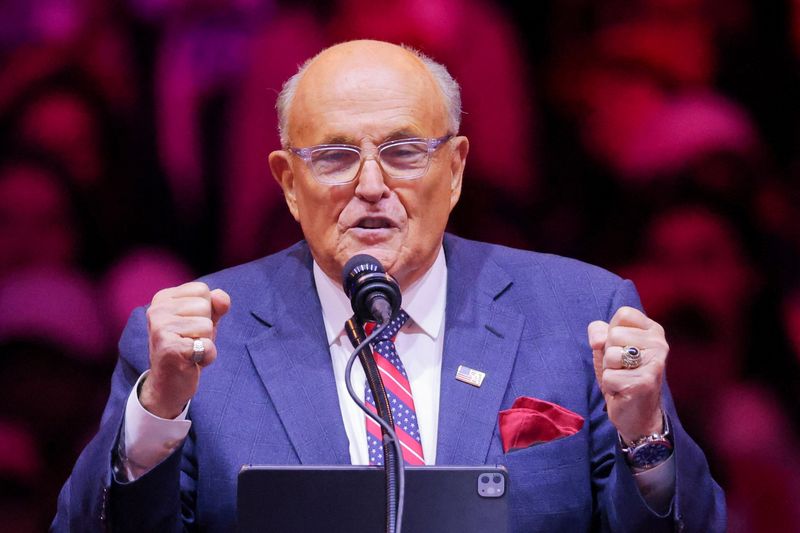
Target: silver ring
point(198, 351)
point(631, 357)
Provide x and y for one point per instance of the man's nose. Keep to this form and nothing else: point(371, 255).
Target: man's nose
point(370, 183)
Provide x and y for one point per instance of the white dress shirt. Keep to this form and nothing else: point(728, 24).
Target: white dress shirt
point(419, 345)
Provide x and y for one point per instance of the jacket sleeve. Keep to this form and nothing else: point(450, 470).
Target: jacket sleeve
point(93, 499)
point(698, 503)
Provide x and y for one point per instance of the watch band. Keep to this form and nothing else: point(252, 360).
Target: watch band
point(648, 451)
point(665, 434)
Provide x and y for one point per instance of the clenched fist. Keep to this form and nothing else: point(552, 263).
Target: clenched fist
point(176, 317)
point(633, 395)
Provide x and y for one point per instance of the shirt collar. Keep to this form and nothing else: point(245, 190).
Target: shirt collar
point(424, 300)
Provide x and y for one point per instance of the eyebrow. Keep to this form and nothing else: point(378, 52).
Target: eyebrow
point(401, 133)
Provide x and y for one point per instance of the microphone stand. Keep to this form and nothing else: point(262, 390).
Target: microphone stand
point(392, 452)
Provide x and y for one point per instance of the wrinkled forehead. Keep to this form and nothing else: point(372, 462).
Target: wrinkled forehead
point(365, 85)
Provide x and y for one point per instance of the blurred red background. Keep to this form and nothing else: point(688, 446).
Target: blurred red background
point(657, 138)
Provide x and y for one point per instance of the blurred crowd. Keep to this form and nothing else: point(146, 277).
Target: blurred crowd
point(657, 138)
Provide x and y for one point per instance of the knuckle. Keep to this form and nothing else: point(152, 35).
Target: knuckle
point(174, 350)
point(159, 295)
point(197, 306)
point(619, 337)
point(652, 379)
point(608, 355)
point(597, 327)
point(157, 313)
point(188, 306)
point(199, 287)
point(206, 325)
point(627, 387)
point(658, 349)
point(151, 314)
point(659, 366)
point(628, 314)
point(210, 356)
point(158, 337)
point(206, 309)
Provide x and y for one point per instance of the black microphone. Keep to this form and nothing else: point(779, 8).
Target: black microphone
point(374, 294)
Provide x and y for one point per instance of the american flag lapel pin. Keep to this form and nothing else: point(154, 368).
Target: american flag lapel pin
point(470, 376)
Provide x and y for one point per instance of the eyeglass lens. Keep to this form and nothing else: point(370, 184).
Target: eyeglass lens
point(404, 160)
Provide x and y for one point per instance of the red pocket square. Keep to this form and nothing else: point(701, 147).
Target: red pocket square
point(531, 421)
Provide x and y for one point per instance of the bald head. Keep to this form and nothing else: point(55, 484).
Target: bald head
point(363, 65)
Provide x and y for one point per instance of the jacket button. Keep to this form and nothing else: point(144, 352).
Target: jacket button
point(104, 505)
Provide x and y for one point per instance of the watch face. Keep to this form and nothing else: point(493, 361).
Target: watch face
point(650, 454)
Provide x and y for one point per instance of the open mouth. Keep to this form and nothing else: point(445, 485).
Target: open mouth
point(374, 223)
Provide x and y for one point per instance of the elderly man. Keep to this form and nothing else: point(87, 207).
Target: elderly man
point(372, 163)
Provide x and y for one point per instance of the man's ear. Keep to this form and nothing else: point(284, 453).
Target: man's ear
point(457, 163)
point(282, 171)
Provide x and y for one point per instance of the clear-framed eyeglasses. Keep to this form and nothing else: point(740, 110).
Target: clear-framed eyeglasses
point(339, 164)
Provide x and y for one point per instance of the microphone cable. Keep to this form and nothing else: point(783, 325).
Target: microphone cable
point(395, 520)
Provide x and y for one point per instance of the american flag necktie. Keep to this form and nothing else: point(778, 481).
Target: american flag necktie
point(398, 390)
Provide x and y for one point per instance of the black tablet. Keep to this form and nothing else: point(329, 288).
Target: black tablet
point(352, 499)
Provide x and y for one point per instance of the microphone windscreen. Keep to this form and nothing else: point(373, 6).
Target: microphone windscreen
point(355, 268)
point(374, 294)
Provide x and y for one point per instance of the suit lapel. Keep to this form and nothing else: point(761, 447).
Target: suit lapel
point(481, 334)
point(292, 358)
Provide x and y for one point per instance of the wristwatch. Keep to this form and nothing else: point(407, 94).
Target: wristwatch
point(649, 451)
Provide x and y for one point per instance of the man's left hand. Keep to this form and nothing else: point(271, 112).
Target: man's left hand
point(633, 395)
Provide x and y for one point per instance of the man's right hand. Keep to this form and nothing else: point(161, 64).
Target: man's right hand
point(175, 318)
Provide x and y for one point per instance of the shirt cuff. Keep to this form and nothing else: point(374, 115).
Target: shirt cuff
point(147, 439)
point(657, 485)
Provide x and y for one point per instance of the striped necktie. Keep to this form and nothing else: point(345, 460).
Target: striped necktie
point(398, 391)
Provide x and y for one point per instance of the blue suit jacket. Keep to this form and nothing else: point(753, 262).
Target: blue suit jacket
point(270, 397)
